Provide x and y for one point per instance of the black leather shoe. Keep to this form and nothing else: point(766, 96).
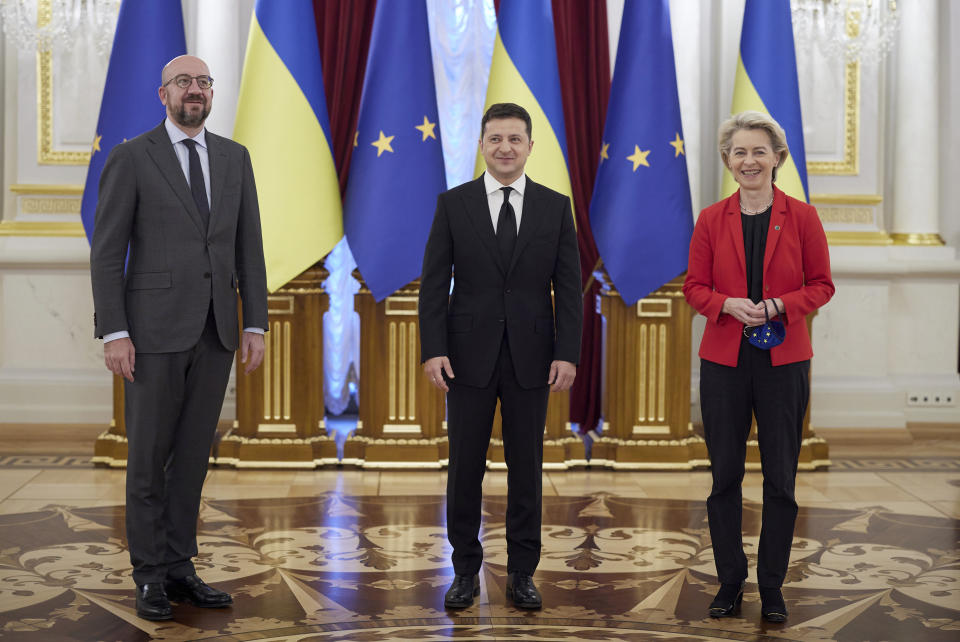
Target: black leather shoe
point(728, 600)
point(152, 602)
point(461, 593)
point(523, 592)
point(193, 590)
point(772, 607)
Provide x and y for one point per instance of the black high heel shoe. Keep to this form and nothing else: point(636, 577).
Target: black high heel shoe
point(772, 606)
point(728, 600)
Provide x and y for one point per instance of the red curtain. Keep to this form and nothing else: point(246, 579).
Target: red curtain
point(583, 56)
point(343, 29)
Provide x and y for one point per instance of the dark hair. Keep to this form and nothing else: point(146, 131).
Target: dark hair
point(506, 110)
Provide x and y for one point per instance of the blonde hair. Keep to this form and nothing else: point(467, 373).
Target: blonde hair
point(753, 120)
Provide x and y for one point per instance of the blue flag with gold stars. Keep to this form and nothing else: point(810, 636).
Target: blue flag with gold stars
point(397, 168)
point(149, 34)
point(641, 214)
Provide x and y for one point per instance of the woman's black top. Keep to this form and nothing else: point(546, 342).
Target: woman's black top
point(754, 245)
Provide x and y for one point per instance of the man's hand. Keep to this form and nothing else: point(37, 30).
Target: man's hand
point(745, 311)
point(562, 374)
point(120, 355)
point(434, 368)
point(251, 351)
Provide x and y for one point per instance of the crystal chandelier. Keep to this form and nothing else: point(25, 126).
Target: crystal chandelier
point(56, 25)
point(850, 30)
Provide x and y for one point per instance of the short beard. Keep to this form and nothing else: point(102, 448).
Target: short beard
point(191, 120)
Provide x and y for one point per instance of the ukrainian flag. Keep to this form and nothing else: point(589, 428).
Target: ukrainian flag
point(282, 119)
point(149, 34)
point(524, 71)
point(766, 81)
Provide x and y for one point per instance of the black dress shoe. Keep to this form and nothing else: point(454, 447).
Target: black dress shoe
point(772, 607)
point(152, 602)
point(193, 590)
point(523, 592)
point(461, 593)
point(728, 600)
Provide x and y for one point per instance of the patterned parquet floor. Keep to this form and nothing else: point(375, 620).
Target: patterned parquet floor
point(362, 555)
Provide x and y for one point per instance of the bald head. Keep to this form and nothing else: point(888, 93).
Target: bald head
point(183, 65)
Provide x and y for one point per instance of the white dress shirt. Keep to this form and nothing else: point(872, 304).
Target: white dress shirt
point(177, 136)
point(495, 197)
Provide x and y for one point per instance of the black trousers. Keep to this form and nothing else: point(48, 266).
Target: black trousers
point(729, 397)
point(172, 408)
point(470, 414)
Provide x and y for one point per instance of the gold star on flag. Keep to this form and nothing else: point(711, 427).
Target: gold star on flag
point(678, 145)
point(427, 129)
point(96, 143)
point(383, 143)
point(603, 152)
point(356, 138)
point(638, 158)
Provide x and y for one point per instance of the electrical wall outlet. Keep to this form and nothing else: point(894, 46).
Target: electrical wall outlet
point(931, 398)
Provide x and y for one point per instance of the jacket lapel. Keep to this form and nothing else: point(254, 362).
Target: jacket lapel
point(530, 220)
point(217, 158)
point(478, 213)
point(778, 215)
point(161, 151)
point(735, 230)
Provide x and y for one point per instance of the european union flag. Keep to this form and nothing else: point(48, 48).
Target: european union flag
point(149, 35)
point(641, 214)
point(397, 169)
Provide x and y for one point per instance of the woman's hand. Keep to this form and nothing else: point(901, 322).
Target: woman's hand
point(745, 311)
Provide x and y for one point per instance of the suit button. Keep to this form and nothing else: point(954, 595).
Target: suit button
point(501, 320)
point(508, 291)
point(206, 275)
point(767, 288)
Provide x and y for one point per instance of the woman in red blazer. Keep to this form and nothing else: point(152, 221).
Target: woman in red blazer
point(758, 249)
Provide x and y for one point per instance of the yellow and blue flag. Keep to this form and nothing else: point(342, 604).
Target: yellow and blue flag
point(396, 170)
point(641, 214)
point(149, 34)
point(524, 71)
point(766, 81)
point(282, 119)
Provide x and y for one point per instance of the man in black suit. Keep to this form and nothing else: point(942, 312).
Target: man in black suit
point(499, 335)
point(183, 201)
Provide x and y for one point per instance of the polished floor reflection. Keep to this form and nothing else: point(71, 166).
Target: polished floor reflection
point(355, 555)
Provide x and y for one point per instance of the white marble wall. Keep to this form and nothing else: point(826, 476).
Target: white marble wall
point(892, 328)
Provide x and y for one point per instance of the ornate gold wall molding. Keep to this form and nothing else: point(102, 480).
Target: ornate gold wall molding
point(866, 237)
point(916, 239)
point(47, 189)
point(40, 228)
point(33, 205)
point(850, 164)
point(46, 154)
point(861, 215)
point(846, 199)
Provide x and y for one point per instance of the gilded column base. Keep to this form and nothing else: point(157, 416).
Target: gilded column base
point(558, 454)
point(110, 449)
point(237, 451)
point(901, 238)
point(418, 454)
point(650, 454)
point(814, 454)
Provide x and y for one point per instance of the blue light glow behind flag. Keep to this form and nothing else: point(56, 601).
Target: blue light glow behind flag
point(397, 168)
point(641, 214)
point(768, 83)
point(149, 34)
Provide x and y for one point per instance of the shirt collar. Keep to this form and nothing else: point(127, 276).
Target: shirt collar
point(176, 134)
point(492, 185)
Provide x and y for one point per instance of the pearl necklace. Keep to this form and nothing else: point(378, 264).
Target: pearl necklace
point(752, 212)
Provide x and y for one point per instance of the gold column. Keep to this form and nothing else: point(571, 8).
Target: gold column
point(280, 409)
point(646, 396)
point(401, 415)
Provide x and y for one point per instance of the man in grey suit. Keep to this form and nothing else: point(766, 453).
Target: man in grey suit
point(176, 236)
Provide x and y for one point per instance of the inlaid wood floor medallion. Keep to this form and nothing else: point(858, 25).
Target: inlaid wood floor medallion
point(344, 567)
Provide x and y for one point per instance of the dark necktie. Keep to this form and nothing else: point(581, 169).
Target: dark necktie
point(197, 187)
point(506, 228)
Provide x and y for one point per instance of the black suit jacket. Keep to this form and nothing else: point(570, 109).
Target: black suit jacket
point(176, 265)
point(489, 298)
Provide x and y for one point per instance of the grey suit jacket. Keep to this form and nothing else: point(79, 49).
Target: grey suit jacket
point(175, 266)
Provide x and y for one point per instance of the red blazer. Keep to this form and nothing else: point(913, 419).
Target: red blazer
point(796, 268)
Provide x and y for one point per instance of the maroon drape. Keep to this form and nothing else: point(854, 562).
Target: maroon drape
point(343, 29)
point(583, 57)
